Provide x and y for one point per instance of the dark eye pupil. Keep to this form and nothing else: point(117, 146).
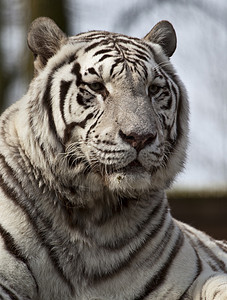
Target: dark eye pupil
point(96, 86)
point(153, 89)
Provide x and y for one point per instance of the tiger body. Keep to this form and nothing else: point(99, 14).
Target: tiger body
point(85, 158)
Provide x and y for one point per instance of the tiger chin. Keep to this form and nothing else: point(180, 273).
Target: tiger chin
point(129, 183)
point(85, 159)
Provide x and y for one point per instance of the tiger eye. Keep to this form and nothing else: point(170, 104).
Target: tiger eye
point(96, 86)
point(153, 89)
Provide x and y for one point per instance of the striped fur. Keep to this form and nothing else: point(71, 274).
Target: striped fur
point(85, 158)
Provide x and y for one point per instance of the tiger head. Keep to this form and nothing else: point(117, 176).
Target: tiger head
point(114, 103)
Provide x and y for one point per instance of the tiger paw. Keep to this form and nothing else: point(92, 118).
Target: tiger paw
point(215, 288)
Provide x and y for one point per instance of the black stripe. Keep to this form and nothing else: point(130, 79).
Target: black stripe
point(93, 125)
point(121, 71)
point(76, 71)
point(81, 124)
point(156, 280)
point(179, 113)
point(179, 106)
point(71, 126)
point(122, 242)
point(72, 58)
point(38, 143)
point(171, 92)
point(33, 215)
point(9, 293)
point(104, 57)
point(219, 289)
point(7, 118)
point(168, 105)
point(11, 246)
point(93, 35)
point(102, 51)
point(33, 108)
point(92, 71)
point(134, 42)
point(198, 272)
point(173, 86)
point(84, 97)
point(219, 263)
point(64, 87)
point(96, 44)
point(144, 68)
point(47, 101)
point(140, 56)
point(98, 277)
point(132, 52)
point(117, 61)
point(14, 250)
point(80, 100)
point(222, 245)
point(135, 62)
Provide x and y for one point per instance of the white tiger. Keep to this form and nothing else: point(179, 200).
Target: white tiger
point(85, 158)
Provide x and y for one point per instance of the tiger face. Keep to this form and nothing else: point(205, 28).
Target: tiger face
point(116, 104)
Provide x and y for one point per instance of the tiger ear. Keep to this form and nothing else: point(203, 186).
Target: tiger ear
point(44, 40)
point(163, 34)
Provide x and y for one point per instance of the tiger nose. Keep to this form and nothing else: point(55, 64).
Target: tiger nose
point(138, 141)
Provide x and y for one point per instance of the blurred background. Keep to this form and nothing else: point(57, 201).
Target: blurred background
point(199, 194)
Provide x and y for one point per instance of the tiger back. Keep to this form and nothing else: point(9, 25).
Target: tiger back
point(85, 159)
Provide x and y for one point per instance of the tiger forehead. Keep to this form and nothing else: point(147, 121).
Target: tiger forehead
point(115, 52)
point(119, 45)
point(99, 38)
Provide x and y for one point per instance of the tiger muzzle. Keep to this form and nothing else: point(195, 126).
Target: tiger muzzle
point(138, 141)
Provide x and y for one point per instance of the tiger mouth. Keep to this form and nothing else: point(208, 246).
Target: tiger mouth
point(133, 167)
point(104, 170)
point(134, 163)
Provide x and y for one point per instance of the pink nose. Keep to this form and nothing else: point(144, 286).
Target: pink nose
point(138, 141)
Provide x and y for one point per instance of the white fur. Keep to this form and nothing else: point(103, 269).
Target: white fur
point(79, 217)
